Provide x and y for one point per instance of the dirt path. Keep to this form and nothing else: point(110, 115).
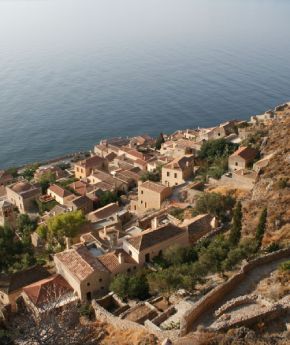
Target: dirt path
point(246, 287)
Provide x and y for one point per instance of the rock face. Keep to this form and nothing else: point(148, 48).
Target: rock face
point(272, 189)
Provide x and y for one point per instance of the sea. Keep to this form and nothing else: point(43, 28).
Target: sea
point(75, 71)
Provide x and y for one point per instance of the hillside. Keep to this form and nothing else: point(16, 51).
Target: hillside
point(272, 189)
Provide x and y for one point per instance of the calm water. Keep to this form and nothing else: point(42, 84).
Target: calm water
point(73, 72)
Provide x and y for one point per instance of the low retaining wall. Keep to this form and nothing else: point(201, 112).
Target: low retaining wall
point(105, 316)
point(164, 316)
point(276, 310)
point(218, 293)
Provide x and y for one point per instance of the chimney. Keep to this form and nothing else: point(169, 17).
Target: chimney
point(68, 243)
point(154, 223)
point(121, 258)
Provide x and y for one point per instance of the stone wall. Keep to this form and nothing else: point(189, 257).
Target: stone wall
point(271, 312)
point(104, 316)
point(218, 293)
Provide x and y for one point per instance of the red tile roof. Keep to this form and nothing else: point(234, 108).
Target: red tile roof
point(47, 290)
point(180, 163)
point(111, 260)
point(248, 153)
point(59, 191)
point(80, 262)
point(92, 162)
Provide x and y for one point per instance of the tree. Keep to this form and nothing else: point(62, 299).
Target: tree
point(151, 176)
point(120, 285)
point(13, 172)
point(29, 172)
point(45, 181)
point(216, 148)
point(15, 254)
point(235, 232)
point(131, 286)
point(138, 286)
point(177, 255)
point(63, 225)
point(215, 204)
point(261, 227)
point(159, 141)
point(108, 197)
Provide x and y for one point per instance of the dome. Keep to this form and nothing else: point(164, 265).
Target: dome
point(20, 187)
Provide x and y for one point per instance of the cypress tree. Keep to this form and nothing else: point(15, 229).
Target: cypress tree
point(159, 141)
point(235, 233)
point(261, 227)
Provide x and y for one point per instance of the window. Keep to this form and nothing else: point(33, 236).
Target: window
point(142, 192)
point(88, 284)
point(130, 253)
point(89, 296)
point(175, 175)
point(236, 164)
point(129, 270)
point(145, 204)
point(141, 201)
point(168, 173)
point(100, 280)
point(134, 267)
point(147, 257)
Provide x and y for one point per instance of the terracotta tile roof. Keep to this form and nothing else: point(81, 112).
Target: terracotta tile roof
point(153, 186)
point(47, 290)
point(15, 281)
point(185, 143)
point(92, 162)
point(150, 238)
point(88, 238)
point(180, 163)
point(111, 156)
point(141, 162)
point(59, 191)
point(104, 186)
point(104, 177)
point(81, 187)
point(80, 262)
point(22, 187)
point(103, 212)
point(81, 201)
point(111, 260)
point(248, 153)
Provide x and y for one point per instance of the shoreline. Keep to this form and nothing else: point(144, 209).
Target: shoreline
point(70, 155)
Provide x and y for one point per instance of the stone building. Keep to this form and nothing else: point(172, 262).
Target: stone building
point(151, 196)
point(84, 168)
point(59, 194)
point(23, 195)
point(150, 243)
point(7, 214)
point(82, 269)
point(11, 284)
point(242, 158)
point(178, 171)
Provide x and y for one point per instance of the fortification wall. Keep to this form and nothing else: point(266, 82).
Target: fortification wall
point(218, 293)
